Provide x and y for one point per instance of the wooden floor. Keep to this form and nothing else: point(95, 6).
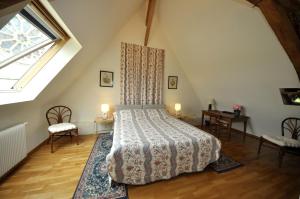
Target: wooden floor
point(45, 175)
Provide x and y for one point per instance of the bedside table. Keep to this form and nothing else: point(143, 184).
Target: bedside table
point(106, 124)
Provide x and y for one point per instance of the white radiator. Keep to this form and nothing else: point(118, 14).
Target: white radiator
point(12, 147)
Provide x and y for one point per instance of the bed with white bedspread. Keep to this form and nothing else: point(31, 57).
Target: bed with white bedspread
point(150, 145)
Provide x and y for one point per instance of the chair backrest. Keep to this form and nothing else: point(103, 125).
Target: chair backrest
point(58, 114)
point(292, 125)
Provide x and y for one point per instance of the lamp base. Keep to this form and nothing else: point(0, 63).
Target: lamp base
point(210, 107)
point(104, 116)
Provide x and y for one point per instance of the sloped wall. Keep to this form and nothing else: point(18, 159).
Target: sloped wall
point(85, 96)
point(229, 52)
point(94, 32)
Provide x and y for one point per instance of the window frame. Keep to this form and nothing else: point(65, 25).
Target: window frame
point(43, 17)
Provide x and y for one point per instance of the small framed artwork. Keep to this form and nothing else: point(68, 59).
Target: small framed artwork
point(106, 78)
point(172, 82)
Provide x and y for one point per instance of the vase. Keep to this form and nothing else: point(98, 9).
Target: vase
point(237, 113)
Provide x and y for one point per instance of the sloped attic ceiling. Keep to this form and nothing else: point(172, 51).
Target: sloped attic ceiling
point(94, 23)
point(284, 18)
point(229, 52)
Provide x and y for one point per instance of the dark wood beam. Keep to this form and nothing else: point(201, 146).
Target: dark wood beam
point(7, 3)
point(277, 16)
point(255, 2)
point(149, 18)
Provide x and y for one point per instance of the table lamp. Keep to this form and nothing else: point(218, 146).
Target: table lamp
point(177, 108)
point(212, 103)
point(104, 110)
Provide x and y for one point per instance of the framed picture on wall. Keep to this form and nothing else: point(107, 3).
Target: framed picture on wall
point(106, 78)
point(172, 82)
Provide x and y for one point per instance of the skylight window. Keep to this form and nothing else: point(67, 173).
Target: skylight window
point(35, 45)
point(24, 41)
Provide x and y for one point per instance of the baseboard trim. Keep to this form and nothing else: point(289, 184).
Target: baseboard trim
point(247, 134)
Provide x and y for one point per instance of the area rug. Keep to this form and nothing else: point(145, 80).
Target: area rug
point(94, 182)
point(224, 163)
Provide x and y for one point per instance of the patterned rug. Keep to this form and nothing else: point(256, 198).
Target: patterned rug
point(94, 182)
point(224, 163)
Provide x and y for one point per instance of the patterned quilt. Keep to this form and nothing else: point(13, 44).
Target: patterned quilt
point(150, 145)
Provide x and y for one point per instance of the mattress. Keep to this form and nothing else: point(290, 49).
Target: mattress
point(150, 145)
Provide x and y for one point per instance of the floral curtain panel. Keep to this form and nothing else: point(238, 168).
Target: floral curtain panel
point(142, 71)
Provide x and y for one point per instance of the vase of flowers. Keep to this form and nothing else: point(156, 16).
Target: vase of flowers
point(237, 110)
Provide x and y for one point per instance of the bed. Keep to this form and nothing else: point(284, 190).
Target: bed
point(150, 145)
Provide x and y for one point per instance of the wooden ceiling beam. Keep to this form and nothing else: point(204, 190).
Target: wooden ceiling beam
point(7, 3)
point(149, 18)
point(277, 17)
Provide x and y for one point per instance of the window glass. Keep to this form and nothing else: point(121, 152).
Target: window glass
point(19, 35)
point(17, 69)
point(7, 84)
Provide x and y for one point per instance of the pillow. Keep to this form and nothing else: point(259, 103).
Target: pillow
point(156, 111)
point(128, 107)
point(154, 106)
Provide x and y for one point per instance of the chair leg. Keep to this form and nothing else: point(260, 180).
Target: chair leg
point(70, 134)
point(218, 131)
point(229, 132)
point(210, 127)
point(51, 140)
point(261, 141)
point(48, 140)
point(77, 141)
point(281, 154)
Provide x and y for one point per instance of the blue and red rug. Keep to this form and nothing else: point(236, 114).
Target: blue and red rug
point(94, 182)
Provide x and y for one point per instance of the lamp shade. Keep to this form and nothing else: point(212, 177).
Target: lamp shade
point(177, 107)
point(104, 108)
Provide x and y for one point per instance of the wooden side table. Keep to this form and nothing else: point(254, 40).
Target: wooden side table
point(107, 123)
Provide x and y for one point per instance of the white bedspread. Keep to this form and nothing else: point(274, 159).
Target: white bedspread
point(150, 145)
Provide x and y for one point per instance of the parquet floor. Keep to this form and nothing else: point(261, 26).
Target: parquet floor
point(45, 175)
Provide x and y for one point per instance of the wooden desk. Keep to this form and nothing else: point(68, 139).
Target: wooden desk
point(228, 117)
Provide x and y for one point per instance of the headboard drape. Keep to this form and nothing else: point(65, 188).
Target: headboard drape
point(142, 72)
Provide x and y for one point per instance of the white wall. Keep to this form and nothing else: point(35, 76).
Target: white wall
point(229, 52)
point(85, 95)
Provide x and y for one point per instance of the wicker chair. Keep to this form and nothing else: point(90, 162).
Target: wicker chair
point(285, 145)
point(59, 118)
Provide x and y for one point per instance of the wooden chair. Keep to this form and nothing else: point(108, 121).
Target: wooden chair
point(223, 123)
point(59, 118)
point(285, 145)
point(220, 123)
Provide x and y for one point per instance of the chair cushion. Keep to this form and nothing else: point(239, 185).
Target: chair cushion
point(283, 141)
point(61, 127)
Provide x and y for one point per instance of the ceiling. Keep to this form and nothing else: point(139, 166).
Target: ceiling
point(94, 23)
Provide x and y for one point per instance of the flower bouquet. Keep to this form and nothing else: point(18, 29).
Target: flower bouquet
point(237, 109)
